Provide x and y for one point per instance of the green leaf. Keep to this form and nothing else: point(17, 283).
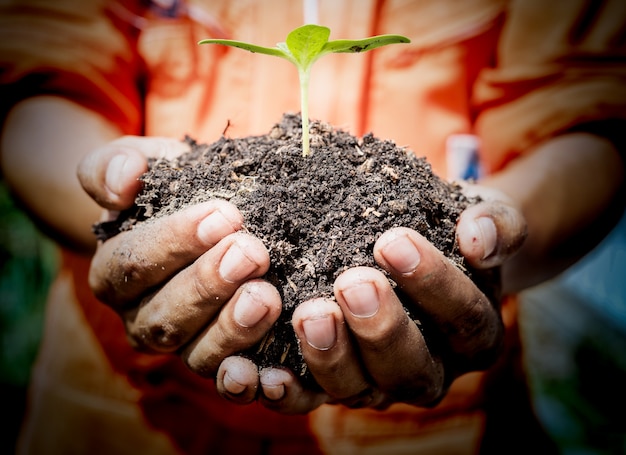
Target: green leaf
point(274, 51)
point(303, 47)
point(306, 43)
point(362, 45)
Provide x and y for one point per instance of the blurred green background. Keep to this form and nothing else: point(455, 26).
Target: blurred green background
point(28, 262)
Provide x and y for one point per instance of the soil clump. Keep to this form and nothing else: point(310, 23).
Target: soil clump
point(317, 215)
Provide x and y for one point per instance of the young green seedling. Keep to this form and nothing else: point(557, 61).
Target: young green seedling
point(303, 47)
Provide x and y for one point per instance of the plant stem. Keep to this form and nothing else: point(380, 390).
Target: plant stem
point(304, 108)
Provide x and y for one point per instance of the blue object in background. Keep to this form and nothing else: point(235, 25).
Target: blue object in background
point(574, 336)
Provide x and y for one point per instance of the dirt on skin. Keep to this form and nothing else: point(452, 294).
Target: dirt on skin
point(317, 215)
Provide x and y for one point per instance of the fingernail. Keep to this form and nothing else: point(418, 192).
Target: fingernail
point(248, 311)
point(489, 234)
point(235, 265)
point(214, 228)
point(233, 386)
point(320, 332)
point(361, 299)
point(114, 173)
point(273, 383)
point(273, 392)
point(401, 254)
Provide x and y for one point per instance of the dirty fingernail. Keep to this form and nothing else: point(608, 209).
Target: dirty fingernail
point(236, 265)
point(320, 332)
point(115, 172)
point(273, 391)
point(233, 386)
point(214, 228)
point(273, 383)
point(248, 311)
point(361, 299)
point(401, 254)
point(489, 234)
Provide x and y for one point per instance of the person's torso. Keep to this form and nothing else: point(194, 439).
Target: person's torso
point(414, 94)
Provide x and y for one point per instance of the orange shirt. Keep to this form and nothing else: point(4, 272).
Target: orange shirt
point(505, 70)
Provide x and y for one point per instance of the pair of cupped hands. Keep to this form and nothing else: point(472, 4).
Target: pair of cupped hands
point(191, 284)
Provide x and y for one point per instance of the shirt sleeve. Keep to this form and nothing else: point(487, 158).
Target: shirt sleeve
point(79, 50)
point(559, 65)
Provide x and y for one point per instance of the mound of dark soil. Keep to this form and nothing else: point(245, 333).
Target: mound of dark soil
point(317, 215)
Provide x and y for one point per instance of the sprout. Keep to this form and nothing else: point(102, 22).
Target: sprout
point(303, 47)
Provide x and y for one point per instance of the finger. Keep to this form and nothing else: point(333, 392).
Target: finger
point(391, 345)
point(173, 315)
point(282, 392)
point(489, 233)
point(126, 265)
point(463, 316)
point(110, 174)
point(327, 349)
point(241, 324)
point(238, 380)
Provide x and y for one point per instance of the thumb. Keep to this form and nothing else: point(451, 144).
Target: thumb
point(489, 233)
point(110, 174)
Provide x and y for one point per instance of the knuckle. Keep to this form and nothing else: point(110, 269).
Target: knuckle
point(425, 390)
point(155, 333)
point(482, 335)
point(110, 289)
point(383, 337)
point(156, 338)
point(204, 356)
point(120, 277)
point(476, 321)
point(100, 286)
point(325, 369)
point(424, 385)
point(202, 366)
point(204, 281)
point(202, 360)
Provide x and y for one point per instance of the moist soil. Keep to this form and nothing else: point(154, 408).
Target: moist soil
point(317, 215)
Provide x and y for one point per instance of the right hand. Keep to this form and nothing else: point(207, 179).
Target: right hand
point(362, 347)
point(186, 283)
